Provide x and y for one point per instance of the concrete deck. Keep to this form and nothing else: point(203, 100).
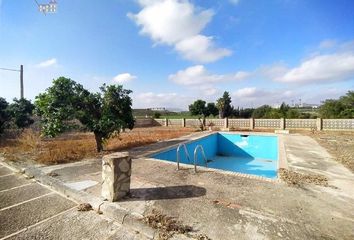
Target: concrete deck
point(224, 206)
point(29, 210)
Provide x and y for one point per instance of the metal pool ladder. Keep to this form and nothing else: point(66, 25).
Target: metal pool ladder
point(195, 156)
point(186, 152)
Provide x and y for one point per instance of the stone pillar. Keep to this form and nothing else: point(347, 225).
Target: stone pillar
point(116, 172)
point(166, 122)
point(251, 123)
point(282, 123)
point(319, 123)
point(226, 122)
point(183, 122)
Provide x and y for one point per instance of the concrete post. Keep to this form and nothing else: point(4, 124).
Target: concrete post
point(319, 123)
point(226, 122)
point(282, 124)
point(166, 122)
point(251, 123)
point(183, 122)
point(116, 172)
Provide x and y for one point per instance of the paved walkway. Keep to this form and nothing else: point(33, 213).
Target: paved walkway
point(29, 210)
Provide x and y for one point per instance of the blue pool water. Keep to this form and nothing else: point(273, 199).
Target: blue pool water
point(251, 154)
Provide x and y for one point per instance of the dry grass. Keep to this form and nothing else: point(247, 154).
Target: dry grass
point(166, 226)
point(76, 146)
point(298, 179)
point(143, 136)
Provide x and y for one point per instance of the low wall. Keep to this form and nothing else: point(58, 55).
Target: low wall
point(250, 124)
point(143, 122)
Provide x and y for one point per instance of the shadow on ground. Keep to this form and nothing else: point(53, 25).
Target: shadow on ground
point(172, 192)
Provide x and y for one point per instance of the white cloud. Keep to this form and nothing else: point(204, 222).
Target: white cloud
point(254, 97)
point(235, 2)
point(241, 75)
point(246, 92)
point(194, 75)
point(200, 48)
point(198, 74)
point(124, 78)
point(321, 68)
point(169, 100)
point(273, 71)
point(208, 90)
point(179, 24)
point(327, 44)
point(47, 63)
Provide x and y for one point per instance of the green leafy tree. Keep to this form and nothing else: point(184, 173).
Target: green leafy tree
point(21, 111)
point(4, 114)
point(273, 113)
point(105, 113)
point(211, 109)
point(246, 112)
point(224, 105)
point(284, 108)
point(261, 111)
point(294, 113)
point(331, 109)
point(157, 115)
point(341, 108)
point(198, 108)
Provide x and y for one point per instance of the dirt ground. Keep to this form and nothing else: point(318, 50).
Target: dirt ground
point(339, 144)
point(76, 146)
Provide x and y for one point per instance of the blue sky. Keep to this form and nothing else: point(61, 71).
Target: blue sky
point(172, 52)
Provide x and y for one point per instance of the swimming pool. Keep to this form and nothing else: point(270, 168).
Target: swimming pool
point(250, 154)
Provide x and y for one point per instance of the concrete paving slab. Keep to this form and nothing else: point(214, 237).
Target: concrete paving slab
point(81, 185)
point(17, 195)
point(125, 234)
point(72, 225)
point(11, 181)
point(4, 171)
point(68, 172)
point(21, 216)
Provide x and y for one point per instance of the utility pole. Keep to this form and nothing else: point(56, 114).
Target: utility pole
point(21, 77)
point(21, 81)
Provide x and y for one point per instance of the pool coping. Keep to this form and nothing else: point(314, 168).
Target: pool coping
point(282, 160)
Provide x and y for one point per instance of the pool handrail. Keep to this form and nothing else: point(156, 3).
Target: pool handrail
point(195, 156)
point(186, 152)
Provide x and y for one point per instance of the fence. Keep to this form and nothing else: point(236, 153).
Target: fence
point(250, 124)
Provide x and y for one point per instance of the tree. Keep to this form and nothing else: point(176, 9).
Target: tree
point(198, 108)
point(157, 115)
point(21, 112)
point(341, 108)
point(284, 108)
point(246, 112)
point(211, 109)
point(105, 113)
point(261, 111)
point(4, 114)
point(224, 105)
point(294, 113)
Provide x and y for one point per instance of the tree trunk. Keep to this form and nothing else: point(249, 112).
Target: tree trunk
point(221, 114)
point(99, 145)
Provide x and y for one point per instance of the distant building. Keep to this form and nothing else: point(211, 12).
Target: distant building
point(310, 105)
point(158, 109)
